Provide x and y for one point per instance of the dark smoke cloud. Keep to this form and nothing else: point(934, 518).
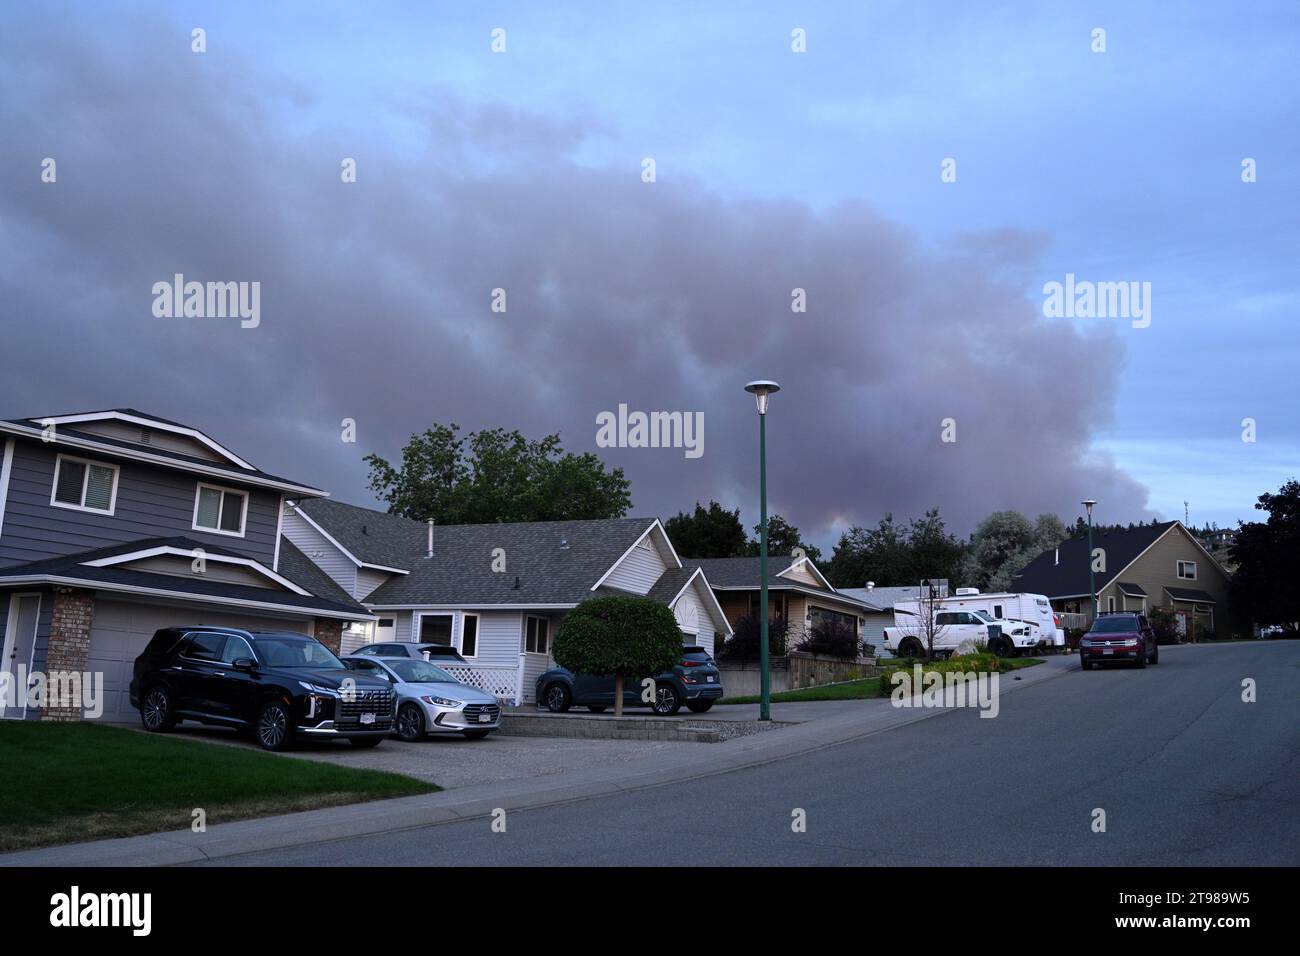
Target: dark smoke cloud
point(375, 297)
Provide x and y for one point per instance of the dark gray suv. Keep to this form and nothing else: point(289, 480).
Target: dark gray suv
point(693, 681)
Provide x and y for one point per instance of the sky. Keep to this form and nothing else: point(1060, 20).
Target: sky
point(774, 170)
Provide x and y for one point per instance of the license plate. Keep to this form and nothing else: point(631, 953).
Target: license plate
point(1107, 650)
point(485, 718)
point(708, 680)
point(367, 718)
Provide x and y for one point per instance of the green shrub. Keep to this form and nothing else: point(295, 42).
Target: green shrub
point(742, 646)
point(618, 636)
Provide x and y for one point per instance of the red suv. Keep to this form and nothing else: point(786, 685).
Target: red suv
point(1119, 636)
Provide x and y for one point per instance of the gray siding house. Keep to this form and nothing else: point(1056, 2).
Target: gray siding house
point(495, 592)
point(116, 523)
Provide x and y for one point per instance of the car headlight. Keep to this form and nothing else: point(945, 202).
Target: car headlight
point(1085, 643)
point(440, 701)
point(317, 689)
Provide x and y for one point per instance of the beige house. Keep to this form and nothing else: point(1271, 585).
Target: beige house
point(797, 591)
point(1161, 565)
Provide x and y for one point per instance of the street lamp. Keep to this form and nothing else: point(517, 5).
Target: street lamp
point(1092, 582)
point(761, 390)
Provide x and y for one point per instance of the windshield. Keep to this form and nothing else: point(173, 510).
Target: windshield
point(1114, 625)
point(420, 672)
point(289, 651)
point(983, 617)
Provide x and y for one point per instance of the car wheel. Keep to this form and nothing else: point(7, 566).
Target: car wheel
point(558, 699)
point(666, 700)
point(156, 713)
point(365, 743)
point(410, 722)
point(911, 647)
point(1155, 655)
point(1003, 647)
point(699, 706)
point(273, 731)
point(1141, 660)
point(476, 734)
point(1084, 663)
point(596, 709)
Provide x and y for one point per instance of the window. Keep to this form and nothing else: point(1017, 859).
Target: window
point(85, 485)
point(536, 635)
point(220, 510)
point(205, 647)
point(1187, 570)
point(1110, 603)
point(384, 622)
point(436, 629)
point(236, 648)
point(945, 618)
point(997, 611)
point(469, 635)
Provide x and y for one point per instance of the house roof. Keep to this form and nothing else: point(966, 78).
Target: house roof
point(884, 598)
point(743, 574)
point(553, 563)
point(78, 569)
point(1190, 594)
point(68, 435)
point(372, 537)
point(1133, 590)
point(1069, 577)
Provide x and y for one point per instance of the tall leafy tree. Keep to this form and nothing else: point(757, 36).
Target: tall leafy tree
point(714, 532)
point(894, 555)
point(782, 538)
point(496, 476)
point(1267, 554)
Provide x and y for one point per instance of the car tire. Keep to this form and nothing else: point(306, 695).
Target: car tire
point(476, 734)
point(667, 701)
point(596, 708)
point(365, 743)
point(1155, 655)
point(1004, 647)
point(1084, 664)
point(911, 647)
point(157, 715)
point(557, 698)
point(410, 723)
point(1141, 660)
point(698, 706)
point(272, 730)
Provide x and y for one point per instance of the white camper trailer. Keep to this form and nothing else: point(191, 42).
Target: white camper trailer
point(1033, 609)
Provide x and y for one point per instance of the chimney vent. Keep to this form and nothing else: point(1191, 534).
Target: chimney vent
point(1058, 555)
point(871, 585)
point(430, 554)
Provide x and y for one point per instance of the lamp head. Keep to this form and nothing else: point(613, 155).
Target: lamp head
point(761, 390)
point(1088, 504)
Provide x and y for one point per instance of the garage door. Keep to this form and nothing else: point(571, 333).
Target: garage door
point(121, 630)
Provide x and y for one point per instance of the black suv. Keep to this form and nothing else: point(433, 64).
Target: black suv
point(278, 685)
point(694, 681)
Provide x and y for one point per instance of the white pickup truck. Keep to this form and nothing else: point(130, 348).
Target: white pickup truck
point(909, 638)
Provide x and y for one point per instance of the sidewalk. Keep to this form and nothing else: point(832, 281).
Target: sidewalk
point(823, 725)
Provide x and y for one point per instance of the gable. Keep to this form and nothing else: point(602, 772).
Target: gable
point(151, 438)
point(643, 564)
point(215, 571)
point(803, 571)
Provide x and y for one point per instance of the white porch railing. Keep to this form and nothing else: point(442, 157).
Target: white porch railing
point(501, 682)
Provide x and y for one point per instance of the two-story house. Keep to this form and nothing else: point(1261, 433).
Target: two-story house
point(116, 523)
point(495, 592)
point(1136, 569)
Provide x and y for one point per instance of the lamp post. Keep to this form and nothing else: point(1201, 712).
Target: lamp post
point(1092, 581)
point(761, 390)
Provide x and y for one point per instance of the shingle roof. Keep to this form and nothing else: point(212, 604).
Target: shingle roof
point(547, 562)
point(373, 537)
point(1134, 590)
point(1190, 594)
point(742, 572)
point(72, 566)
point(1044, 575)
point(670, 584)
point(884, 598)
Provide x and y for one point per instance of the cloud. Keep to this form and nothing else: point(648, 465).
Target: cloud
point(375, 296)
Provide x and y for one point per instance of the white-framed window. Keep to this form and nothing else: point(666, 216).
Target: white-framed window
point(1187, 570)
point(537, 635)
point(469, 635)
point(84, 485)
point(220, 510)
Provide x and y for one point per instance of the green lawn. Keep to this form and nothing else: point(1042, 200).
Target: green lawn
point(855, 689)
point(64, 783)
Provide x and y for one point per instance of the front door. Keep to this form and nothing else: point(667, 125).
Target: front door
point(20, 639)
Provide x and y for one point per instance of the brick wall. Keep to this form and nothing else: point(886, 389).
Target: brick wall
point(71, 617)
point(330, 633)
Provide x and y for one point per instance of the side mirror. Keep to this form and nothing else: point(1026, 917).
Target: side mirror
point(244, 664)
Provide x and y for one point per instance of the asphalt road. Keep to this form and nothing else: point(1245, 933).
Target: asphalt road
point(1186, 772)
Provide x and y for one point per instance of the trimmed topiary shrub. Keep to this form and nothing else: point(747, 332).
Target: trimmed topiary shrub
point(620, 637)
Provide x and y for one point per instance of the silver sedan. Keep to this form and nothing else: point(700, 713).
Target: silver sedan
point(430, 700)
